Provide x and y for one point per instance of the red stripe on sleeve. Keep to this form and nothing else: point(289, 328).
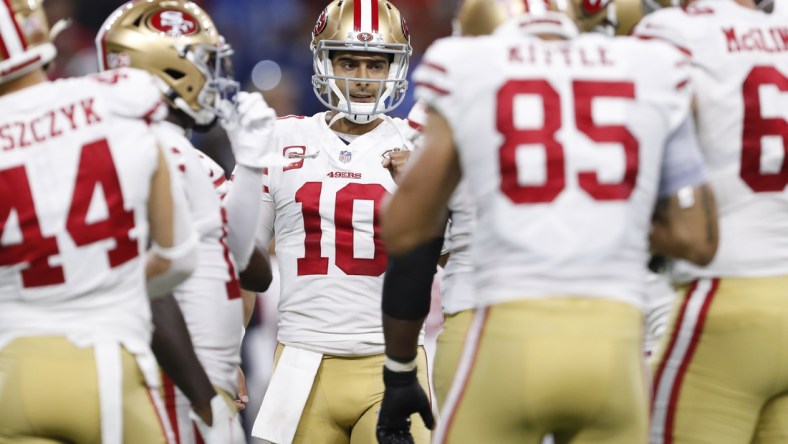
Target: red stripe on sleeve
point(434, 66)
point(437, 89)
point(686, 51)
point(3, 50)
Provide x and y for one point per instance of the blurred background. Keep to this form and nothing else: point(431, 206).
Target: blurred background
point(271, 41)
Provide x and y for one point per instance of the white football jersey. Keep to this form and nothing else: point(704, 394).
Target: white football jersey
point(457, 282)
point(740, 75)
point(211, 298)
point(456, 285)
point(75, 171)
point(561, 144)
point(331, 258)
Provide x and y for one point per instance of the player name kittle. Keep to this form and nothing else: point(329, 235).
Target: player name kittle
point(588, 56)
point(51, 124)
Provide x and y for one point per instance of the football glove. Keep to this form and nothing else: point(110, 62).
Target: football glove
point(226, 428)
point(247, 127)
point(402, 397)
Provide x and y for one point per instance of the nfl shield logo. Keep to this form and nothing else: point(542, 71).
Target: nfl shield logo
point(345, 156)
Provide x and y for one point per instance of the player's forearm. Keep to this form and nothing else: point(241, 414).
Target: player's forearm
point(258, 275)
point(243, 209)
point(686, 227)
point(407, 290)
point(174, 351)
point(402, 338)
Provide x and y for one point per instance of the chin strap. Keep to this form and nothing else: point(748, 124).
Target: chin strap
point(360, 119)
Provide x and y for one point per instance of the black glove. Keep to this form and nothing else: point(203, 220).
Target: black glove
point(403, 397)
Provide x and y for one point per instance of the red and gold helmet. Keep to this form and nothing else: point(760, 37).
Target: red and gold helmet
point(176, 41)
point(25, 44)
point(367, 26)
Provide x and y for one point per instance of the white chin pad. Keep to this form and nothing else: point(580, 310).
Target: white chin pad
point(201, 117)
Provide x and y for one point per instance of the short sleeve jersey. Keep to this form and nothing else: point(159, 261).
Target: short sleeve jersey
point(740, 75)
point(77, 158)
point(561, 145)
point(331, 258)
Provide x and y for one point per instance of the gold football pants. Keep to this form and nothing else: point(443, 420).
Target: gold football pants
point(721, 373)
point(345, 399)
point(570, 366)
point(49, 394)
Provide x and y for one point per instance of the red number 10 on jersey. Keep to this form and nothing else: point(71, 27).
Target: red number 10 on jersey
point(313, 262)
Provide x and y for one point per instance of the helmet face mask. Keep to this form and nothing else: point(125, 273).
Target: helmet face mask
point(215, 63)
point(176, 41)
point(25, 43)
point(364, 26)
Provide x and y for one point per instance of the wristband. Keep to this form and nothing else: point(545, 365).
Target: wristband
point(400, 367)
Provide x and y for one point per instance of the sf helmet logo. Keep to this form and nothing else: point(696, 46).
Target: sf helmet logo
point(321, 22)
point(405, 30)
point(174, 23)
point(592, 7)
point(365, 36)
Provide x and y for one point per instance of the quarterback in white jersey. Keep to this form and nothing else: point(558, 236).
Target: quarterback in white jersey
point(562, 222)
point(331, 260)
point(321, 207)
point(734, 305)
point(84, 187)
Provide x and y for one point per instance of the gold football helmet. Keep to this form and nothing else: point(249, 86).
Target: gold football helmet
point(481, 17)
point(628, 14)
point(25, 44)
point(177, 42)
point(361, 25)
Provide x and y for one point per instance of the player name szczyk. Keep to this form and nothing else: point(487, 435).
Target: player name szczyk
point(757, 39)
point(51, 124)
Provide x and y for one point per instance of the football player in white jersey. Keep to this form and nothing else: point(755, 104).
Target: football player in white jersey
point(177, 42)
point(474, 18)
point(732, 310)
point(84, 187)
point(321, 206)
point(563, 225)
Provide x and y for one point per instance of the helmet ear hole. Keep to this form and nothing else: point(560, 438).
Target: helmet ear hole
point(174, 74)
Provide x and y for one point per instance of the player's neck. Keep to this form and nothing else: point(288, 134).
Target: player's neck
point(345, 126)
point(179, 118)
point(30, 79)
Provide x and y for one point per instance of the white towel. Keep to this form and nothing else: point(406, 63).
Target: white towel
point(110, 382)
point(286, 396)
